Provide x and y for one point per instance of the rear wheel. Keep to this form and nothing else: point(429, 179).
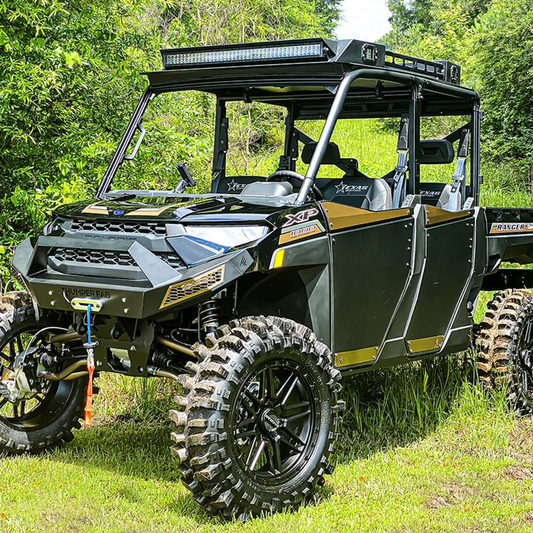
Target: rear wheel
point(44, 415)
point(260, 419)
point(505, 348)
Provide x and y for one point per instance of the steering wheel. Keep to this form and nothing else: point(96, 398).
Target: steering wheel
point(294, 175)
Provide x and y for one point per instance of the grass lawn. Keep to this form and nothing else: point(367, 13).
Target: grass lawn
point(421, 450)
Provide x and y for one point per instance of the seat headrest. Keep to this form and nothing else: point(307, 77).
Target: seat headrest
point(331, 157)
point(435, 152)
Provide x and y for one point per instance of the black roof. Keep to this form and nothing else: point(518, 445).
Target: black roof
point(253, 72)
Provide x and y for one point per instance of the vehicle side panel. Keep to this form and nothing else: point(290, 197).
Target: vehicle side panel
point(448, 265)
point(370, 270)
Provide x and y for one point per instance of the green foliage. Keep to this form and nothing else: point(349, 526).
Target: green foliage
point(433, 29)
point(329, 12)
point(202, 22)
point(406, 14)
point(493, 42)
point(70, 77)
point(502, 71)
point(433, 26)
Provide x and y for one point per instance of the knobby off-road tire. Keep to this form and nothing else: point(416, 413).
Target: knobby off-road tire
point(505, 346)
point(260, 420)
point(46, 423)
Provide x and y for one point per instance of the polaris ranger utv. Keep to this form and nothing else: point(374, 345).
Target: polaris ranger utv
point(257, 296)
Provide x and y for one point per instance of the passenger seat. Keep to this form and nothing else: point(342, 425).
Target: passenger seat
point(362, 192)
point(438, 195)
point(354, 190)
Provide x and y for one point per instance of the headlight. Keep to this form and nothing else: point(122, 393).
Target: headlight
point(227, 236)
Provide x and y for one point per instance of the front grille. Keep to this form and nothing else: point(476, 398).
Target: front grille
point(93, 257)
point(110, 226)
point(100, 257)
point(186, 289)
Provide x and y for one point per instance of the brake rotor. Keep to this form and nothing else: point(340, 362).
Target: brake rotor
point(8, 386)
point(21, 381)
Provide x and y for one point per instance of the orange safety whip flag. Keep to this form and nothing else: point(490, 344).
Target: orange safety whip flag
point(90, 367)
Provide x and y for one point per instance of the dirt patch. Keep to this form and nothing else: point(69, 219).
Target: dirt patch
point(519, 473)
point(521, 438)
point(522, 457)
point(457, 493)
point(437, 503)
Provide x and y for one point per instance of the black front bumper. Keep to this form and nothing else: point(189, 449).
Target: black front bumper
point(143, 286)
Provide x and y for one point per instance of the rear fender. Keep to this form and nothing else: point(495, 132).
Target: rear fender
point(509, 239)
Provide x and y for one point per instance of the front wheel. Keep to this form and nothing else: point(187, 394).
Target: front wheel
point(43, 416)
point(260, 419)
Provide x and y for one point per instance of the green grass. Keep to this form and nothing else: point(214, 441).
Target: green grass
point(421, 450)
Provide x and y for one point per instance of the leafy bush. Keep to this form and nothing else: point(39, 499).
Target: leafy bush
point(501, 69)
point(71, 77)
point(492, 40)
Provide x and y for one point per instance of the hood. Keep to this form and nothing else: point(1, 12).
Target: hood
point(197, 208)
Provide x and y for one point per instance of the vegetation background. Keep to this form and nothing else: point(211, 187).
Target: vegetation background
point(422, 449)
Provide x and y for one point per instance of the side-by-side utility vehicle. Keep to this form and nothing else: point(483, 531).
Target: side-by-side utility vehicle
point(259, 295)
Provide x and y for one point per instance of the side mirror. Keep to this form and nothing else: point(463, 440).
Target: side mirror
point(186, 179)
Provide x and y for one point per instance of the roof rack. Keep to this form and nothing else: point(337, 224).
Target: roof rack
point(441, 70)
point(349, 51)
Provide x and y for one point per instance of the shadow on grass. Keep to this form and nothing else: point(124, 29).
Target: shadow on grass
point(396, 406)
point(138, 450)
point(128, 448)
point(385, 408)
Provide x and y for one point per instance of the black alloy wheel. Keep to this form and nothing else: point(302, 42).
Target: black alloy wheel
point(45, 417)
point(261, 418)
point(273, 421)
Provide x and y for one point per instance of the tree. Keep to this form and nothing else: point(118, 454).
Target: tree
point(435, 27)
point(405, 14)
point(329, 13)
point(69, 73)
point(69, 78)
point(501, 69)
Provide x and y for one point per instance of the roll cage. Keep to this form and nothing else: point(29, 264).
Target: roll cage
point(350, 79)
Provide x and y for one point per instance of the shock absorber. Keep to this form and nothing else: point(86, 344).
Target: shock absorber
point(209, 314)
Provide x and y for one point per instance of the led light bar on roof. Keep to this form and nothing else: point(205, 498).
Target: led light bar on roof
point(255, 53)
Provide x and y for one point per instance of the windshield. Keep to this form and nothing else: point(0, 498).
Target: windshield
point(177, 128)
point(196, 143)
point(257, 144)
